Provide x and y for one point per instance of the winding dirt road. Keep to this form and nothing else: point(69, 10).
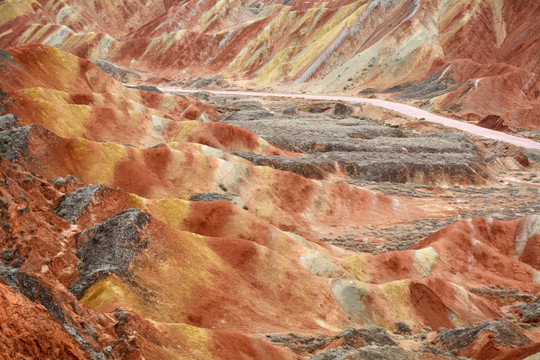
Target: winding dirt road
point(402, 108)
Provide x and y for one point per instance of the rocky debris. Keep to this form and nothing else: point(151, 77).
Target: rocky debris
point(530, 313)
point(372, 352)
point(511, 294)
point(301, 130)
point(318, 107)
point(363, 149)
point(66, 184)
point(501, 332)
point(205, 82)
point(350, 338)
point(228, 107)
point(423, 168)
point(14, 143)
point(342, 109)
point(117, 72)
point(435, 85)
point(9, 122)
point(532, 154)
point(241, 117)
point(95, 355)
point(109, 247)
point(30, 332)
point(357, 338)
point(248, 105)
point(32, 288)
point(150, 88)
point(4, 219)
point(202, 95)
point(71, 206)
point(403, 328)
point(211, 197)
point(304, 165)
point(291, 111)
point(4, 97)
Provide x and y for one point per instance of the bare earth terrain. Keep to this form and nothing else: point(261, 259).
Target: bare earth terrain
point(269, 179)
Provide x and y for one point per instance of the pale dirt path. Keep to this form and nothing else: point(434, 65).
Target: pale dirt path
point(402, 108)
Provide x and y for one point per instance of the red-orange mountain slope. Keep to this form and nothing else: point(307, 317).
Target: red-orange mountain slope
point(127, 241)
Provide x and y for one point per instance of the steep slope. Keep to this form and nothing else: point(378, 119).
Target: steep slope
point(467, 59)
point(142, 244)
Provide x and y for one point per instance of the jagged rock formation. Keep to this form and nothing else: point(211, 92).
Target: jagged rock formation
point(530, 312)
point(73, 204)
point(483, 339)
point(108, 248)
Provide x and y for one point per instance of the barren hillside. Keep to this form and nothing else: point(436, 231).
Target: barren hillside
point(137, 224)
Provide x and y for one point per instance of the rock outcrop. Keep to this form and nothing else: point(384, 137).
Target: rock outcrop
point(483, 340)
point(362, 149)
point(109, 247)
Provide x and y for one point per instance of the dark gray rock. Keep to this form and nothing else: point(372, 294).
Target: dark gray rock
point(5, 56)
point(150, 88)
point(95, 355)
point(117, 72)
point(9, 122)
point(62, 181)
point(333, 354)
point(532, 154)
point(349, 339)
point(72, 205)
point(306, 166)
point(373, 352)
point(211, 197)
point(31, 288)
point(247, 116)
point(530, 312)
point(4, 98)
point(202, 95)
point(14, 143)
point(290, 111)
point(5, 235)
point(248, 105)
point(403, 327)
point(203, 82)
point(502, 332)
point(391, 167)
point(109, 247)
point(435, 85)
point(342, 109)
point(34, 290)
point(358, 338)
point(363, 149)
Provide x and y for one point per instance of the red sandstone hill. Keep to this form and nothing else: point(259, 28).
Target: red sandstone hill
point(472, 60)
point(130, 230)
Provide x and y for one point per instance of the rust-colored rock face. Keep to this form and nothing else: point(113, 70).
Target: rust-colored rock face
point(136, 224)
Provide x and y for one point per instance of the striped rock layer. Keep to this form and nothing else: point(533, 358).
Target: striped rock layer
point(474, 60)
